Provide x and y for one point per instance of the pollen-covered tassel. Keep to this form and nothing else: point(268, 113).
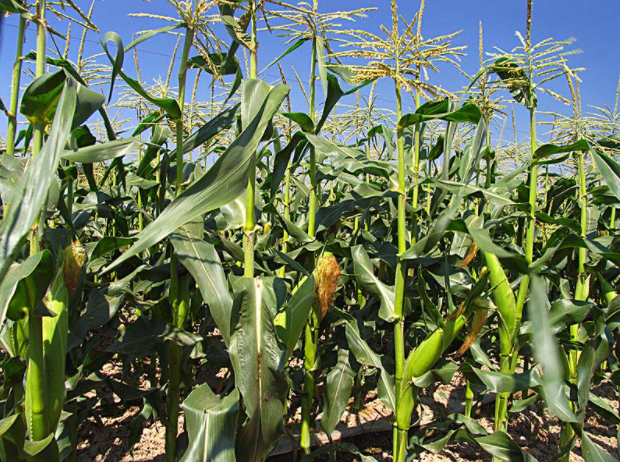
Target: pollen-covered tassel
point(73, 259)
point(327, 275)
point(477, 323)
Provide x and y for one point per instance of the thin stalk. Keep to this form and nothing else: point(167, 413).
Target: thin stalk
point(37, 136)
point(287, 212)
point(508, 362)
point(489, 172)
point(469, 400)
point(312, 326)
point(310, 366)
point(36, 360)
point(189, 38)
point(139, 192)
point(416, 173)
point(505, 301)
point(287, 181)
point(399, 326)
point(17, 72)
point(179, 286)
point(250, 220)
point(531, 217)
point(313, 177)
point(36, 385)
point(581, 290)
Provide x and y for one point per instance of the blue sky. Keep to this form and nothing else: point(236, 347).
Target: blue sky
point(592, 22)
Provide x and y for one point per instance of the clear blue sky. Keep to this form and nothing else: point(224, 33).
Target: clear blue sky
point(594, 23)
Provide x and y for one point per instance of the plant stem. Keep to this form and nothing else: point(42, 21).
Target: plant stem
point(39, 128)
point(416, 173)
point(310, 366)
point(508, 364)
point(36, 360)
point(37, 136)
point(287, 183)
point(581, 290)
point(313, 180)
point(399, 326)
point(469, 400)
point(179, 287)
point(531, 217)
point(36, 379)
point(508, 359)
point(250, 220)
point(504, 299)
point(17, 72)
point(312, 326)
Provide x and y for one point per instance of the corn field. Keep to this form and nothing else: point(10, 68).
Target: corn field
point(255, 273)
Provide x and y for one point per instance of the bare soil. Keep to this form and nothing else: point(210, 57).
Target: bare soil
point(534, 429)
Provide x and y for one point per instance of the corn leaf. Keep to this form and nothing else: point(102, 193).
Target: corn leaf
point(224, 181)
point(202, 261)
point(258, 362)
point(211, 423)
point(31, 191)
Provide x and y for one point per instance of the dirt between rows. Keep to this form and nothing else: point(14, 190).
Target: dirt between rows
point(106, 438)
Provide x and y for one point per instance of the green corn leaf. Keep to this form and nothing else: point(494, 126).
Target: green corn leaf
point(500, 445)
point(55, 338)
point(546, 352)
point(366, 356)
point(282, 160)
point(169, 105)
point(339, 383)
point(211, 423)
point(149, 121)
point(224, 181)
point(365, 275)
point(13, 6)
point(220, 122)
point(258, 362)
point(303, 120)
point(547, 150)
point(104, 151)
point(42, 450)
point(440, 109)
point(320, 58)
point(40, 100)
point(144, 336)
point(562, 314)
point(592, 452)
point(236, 29)
point(150, 33)
point(33, 186)
point(290, 322)
point(117, 62)
point(202, 261)
point(299, 42)
point(609, 170)
point(41, 97)
point(13, 296)
point(334, 94)
point(7, 423)
point(593, 354)
point(500, 382)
